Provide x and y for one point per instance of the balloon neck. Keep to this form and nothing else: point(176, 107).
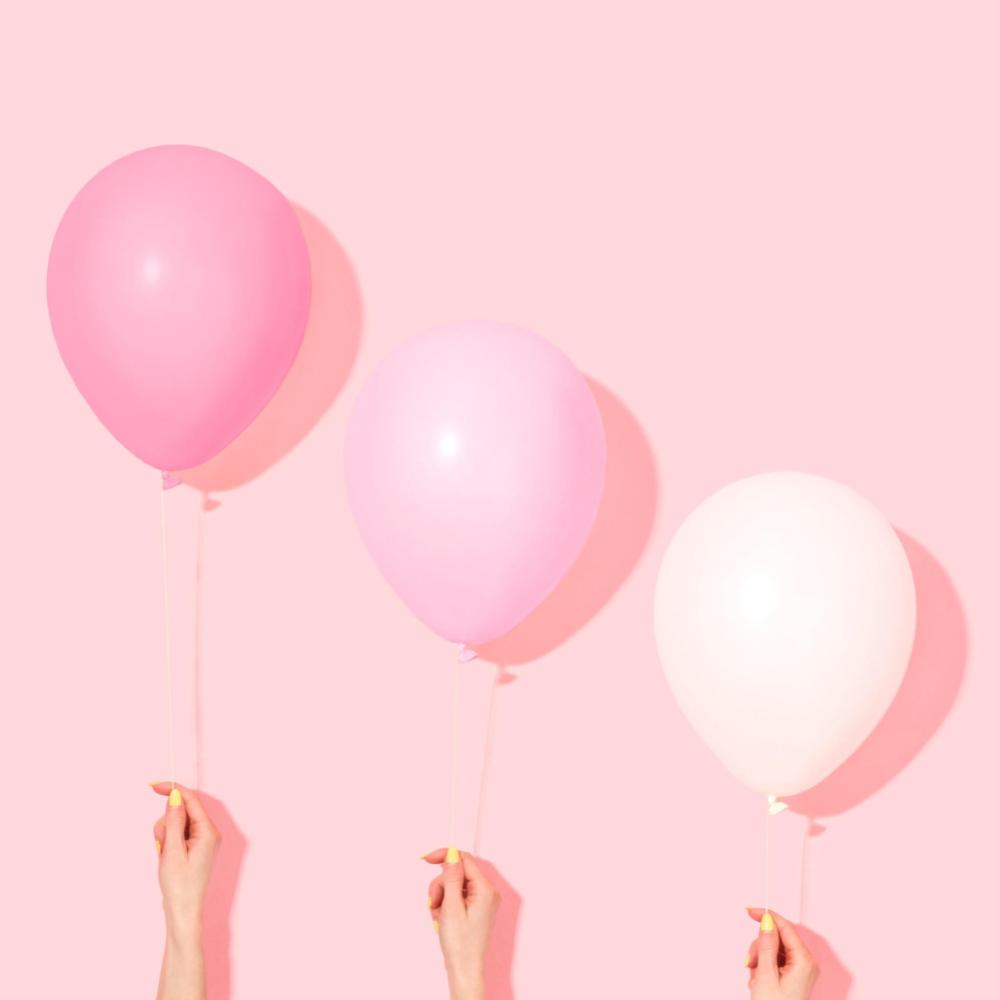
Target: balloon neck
point(170, 480)
point(465, 654)
point(774, 806)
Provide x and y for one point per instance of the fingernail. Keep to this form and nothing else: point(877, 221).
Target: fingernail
point(430, 903)
point(746, 961)
point(437, 927)
point(766, 923)
point(159, 846)
point(175, 798)
point(452, 857)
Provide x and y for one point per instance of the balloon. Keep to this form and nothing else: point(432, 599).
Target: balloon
point(785, 611)
point(475, 464)
point(178, 291)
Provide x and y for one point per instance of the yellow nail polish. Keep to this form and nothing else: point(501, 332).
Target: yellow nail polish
point(452, 857)
point(430, 903)
point(174, 799)
point(746, 961)
point(437, 927)
point(159, 846)
point(767, 923)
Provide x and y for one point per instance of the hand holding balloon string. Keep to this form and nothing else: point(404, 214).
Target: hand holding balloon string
point(186, 842)
point(463, 904)
point(781, 966)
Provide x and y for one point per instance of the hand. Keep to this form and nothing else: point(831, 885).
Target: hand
point(781, 967)
point(463, 904)
point(186, 842)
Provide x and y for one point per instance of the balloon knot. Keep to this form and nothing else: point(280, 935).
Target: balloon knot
point(170, 480)
point(465, 654)
point(774, 806)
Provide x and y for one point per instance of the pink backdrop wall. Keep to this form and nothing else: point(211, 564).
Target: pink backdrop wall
point(767, 233)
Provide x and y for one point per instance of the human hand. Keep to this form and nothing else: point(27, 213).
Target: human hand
point(781, 966)
point(186, 841)
point(463, 904)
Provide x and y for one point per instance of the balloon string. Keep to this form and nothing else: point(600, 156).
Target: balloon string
point(166, 639)
point(487, 754)
point(767, 858)
point(454, 754)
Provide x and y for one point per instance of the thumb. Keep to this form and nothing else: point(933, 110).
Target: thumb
point(453, 881)
point(767, 951)
point(174, 823)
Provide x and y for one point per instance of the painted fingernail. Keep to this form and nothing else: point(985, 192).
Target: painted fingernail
point(437, 927)
point(159, 846)
point(452, 857)
point(430, 903)
point(174, 799)
point(746, 961)
point(766, 923)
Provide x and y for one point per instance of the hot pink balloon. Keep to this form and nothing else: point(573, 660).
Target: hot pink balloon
point(178, 291)
point(475, 464)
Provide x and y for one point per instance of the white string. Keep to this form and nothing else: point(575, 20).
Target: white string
point(166, 639)
point(767, 858)
point(454, 755)
point(487, 754)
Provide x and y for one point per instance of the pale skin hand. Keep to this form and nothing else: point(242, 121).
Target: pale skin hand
point(463, 905)
point(186, 844)
point(781, 967)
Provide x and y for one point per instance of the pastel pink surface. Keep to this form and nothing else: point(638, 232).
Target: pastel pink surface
point(474, 464)
point(178, 288)
point(768, 232)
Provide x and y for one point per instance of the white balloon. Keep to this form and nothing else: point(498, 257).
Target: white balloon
point(785, 612)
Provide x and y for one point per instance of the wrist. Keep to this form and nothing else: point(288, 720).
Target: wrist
point(184, 931)
point(467, 987)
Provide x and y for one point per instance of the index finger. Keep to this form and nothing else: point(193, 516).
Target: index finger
point(474, 874)
point(199, 825)
point(786, 931)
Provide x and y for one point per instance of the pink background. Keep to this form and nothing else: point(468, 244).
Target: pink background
point(767, 233)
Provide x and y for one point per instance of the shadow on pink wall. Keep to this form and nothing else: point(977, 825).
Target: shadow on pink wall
point(220, 899)
point(329, 347)
point(834, 981)
point(619, 537)
point(924, 699)
point(500, 957)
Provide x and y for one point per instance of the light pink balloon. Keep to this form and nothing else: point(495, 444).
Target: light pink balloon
point(178, 291)
point(785, 612)
point(475, 465)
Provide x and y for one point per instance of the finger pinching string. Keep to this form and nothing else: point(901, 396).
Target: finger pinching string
point(166, 634)
point(773, 808)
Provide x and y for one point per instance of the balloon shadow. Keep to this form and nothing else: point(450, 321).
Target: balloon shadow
point(620, 534)
point(220, 898)
point(924, 699)
point(325, 358)
point(500, 956)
